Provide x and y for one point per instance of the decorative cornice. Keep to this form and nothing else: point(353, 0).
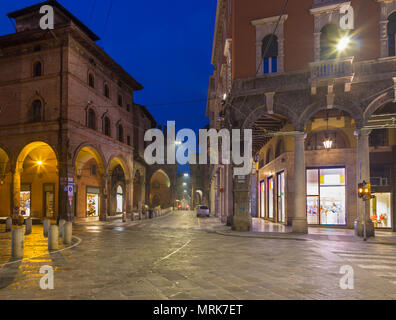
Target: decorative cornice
point(269, 20)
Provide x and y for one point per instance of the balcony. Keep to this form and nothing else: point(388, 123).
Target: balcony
point(332, 70)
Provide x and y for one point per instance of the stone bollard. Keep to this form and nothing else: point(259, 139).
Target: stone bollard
point(28, 228)
point(8, 224)
point(53, 236)
point(124, 217)
point(133, 216)
point(17, 243)
point(46, 226)
point(67, 233)
point(61, 224)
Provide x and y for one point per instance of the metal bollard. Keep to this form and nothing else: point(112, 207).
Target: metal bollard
point(53, 236)
point(17, 243)
point(67, 233)
point(8, 224)
point(61, 224)
point(28, 228)
point(46, 226)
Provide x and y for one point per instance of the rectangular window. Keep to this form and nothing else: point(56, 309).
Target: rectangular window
point(326, 196)
point(271, 198)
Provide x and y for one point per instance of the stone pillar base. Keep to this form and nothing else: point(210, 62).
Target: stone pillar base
point(102, 218)
point(300, 226)
point(359, 228)
point(242, 223)
point(229, 221)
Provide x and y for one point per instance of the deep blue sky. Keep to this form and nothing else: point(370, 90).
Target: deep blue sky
point(165, 45)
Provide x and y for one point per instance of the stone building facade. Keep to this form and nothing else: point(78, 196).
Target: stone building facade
point(320, 101)
point(71, 136)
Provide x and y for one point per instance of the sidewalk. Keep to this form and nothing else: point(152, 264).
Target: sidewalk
point(268, 230)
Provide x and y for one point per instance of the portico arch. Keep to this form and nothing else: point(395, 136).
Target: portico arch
point(36, 181)
point(119, 177)
point(5, 183)
point(160, 190)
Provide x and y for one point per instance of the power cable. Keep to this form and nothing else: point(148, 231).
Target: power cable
point(107, 20)
point(92, 11)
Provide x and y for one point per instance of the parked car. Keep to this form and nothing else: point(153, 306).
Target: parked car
point(203, 211)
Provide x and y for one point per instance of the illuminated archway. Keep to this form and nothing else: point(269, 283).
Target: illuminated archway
point(160, 190)
point(36, 181)
point(117, 178)
point(5, 184)
point(88, 175)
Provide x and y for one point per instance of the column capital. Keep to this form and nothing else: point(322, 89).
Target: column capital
point(362, 132)
point(299, 135)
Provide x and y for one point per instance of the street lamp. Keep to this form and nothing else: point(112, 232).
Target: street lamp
point(39, 163)
point(186, 175)
point(327, 143)
point(343, 43)
point(184, 183)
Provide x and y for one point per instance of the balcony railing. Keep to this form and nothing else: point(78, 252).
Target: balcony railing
point(332, 69)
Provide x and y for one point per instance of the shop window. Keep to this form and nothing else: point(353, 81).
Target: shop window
point(262, 199)
point(92, 202)
point(281, 197)
point(37, 69)
point(380, 210)
point(25, 200)
point(270, 54)
point(392, 35)
point(271, 198)
point(326, 196)
point(37, 111)
point(120, 199)
point(49, 200)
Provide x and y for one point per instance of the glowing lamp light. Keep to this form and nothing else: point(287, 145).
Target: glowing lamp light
point(186, 174)
point(327, 143)
point(343, 43)
point(184, 184)
point(40, 163)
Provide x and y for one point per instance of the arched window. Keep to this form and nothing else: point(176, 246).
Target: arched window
point(392, 34)
point(37, 110)
point(270, 54)
point(120, 100)
point(280, 148)
point(106, 90)
point(91, 119)
point(91, 80)
point(107, 126)
point(37, 69)
point(329, 37)
point(120, 133)
point(269, 157)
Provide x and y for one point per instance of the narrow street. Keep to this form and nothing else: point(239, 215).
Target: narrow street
point(181, 257)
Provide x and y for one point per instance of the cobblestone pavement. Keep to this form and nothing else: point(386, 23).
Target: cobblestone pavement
point(181, 257)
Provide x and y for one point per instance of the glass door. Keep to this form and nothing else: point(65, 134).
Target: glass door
point(262, 199)
point(271, 198)
point(281, 197)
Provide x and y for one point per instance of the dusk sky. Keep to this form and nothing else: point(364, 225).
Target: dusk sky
point(165, 45)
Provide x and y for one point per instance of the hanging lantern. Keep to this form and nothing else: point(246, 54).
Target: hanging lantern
point(327, 143)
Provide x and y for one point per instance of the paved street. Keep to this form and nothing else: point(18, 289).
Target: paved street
point(181, 257)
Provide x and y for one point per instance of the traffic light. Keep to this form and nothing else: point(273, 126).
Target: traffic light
point(364, 190)
point(361, 188)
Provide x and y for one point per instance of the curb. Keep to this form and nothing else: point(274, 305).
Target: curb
point(230, 234)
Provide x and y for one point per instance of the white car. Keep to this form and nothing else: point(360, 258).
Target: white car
point(203, 211)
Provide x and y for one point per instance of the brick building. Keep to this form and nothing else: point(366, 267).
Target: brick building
point(321, 103)
point(68, 119)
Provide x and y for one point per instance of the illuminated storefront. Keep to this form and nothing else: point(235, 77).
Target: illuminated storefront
point(326, 196)
point(281, 197)
point(120, 199)
point(271, 198)
point(262, 199)
point(25, 196)
point(380, 210)
point(92, 202)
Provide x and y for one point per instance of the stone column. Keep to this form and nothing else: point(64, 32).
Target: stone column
point(16, 190)
point(363, 174)
point(300, 195)
point(65, 209)
point(129, 196)
point(242, 219)
point(103, 199)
